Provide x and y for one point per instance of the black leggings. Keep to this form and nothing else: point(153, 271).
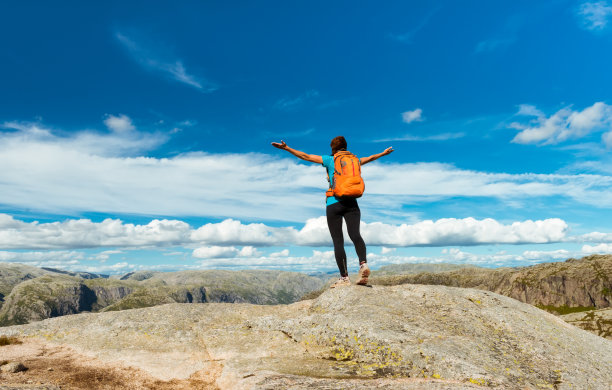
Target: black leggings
point(352, 215)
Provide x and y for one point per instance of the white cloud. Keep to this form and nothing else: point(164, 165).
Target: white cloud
point(83, 233)
point(105, 255)
point(117, 268)
point(283, 253)
point(565, 124)
point(594, 237)
point(158, 61)
point(89, 172)
point(600, 248)
point(503, 259)
point(559, 254)
point(214, 252)
point(220, 239)
point(594, 15)
point(42, 257)
point(32, 143)
point(529, 110)
point(384, 250)
point(467, 231)
point(230, 232)
point(119, 124)
point(412, 116)
point(318, 261)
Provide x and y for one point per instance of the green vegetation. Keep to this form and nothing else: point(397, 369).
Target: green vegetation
point(563, 310)
point(139, 299)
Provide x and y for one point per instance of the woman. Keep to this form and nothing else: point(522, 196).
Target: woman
point(339, 208)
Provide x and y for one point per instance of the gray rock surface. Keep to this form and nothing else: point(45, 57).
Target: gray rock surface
point(13, 367)
point(399, 337)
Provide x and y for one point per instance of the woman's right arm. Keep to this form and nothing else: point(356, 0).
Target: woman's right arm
point(301, 155)
point(373, 157)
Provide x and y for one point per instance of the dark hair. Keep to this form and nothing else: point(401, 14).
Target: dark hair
point(338, 143)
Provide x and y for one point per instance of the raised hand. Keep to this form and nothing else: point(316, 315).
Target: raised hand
point(281, 145)
point(387, 151)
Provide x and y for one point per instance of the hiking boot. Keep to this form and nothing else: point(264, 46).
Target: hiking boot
point(364, 272)
point(343, 281)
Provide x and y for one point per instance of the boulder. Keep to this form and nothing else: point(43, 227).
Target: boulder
point(398, 337)
point(13, 367)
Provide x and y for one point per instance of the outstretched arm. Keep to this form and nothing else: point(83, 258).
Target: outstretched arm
point(304, 156)
point(365, 160)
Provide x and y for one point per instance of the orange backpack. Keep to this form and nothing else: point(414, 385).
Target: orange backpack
point(347, 176)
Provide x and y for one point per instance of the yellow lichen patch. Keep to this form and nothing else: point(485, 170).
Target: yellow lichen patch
point(367, 357)
point(545, 386)
point(437, 376)
point(343, 354)
point(478, 381)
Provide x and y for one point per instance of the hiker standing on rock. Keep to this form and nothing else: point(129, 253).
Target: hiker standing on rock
point(345, 186)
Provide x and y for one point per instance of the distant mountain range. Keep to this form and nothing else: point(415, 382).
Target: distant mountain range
point(578, 290)
point(560, 288)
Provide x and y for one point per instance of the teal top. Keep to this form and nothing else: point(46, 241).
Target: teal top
point(328, 163)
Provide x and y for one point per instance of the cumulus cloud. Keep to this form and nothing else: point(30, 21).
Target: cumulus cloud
point(42, 257)
point(594, 15)
point(467, 231)
point(215, 252)
point(283, 253)
point(499, 259)
point(563, 125)
point(600, 248)
point(231, 232)
point(412, 116)
point(319, 261)
point(83, 233)
point(384, 250)
point(594, 237)
point(119, 124)
point(220, 239)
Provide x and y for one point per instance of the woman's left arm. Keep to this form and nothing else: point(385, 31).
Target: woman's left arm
point(365, 160)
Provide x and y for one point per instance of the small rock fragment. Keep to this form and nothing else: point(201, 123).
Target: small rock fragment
point(13, 367)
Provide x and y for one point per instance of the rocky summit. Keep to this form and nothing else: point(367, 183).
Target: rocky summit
point(388, 337)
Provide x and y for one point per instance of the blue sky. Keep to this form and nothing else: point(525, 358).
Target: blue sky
point(137, 135)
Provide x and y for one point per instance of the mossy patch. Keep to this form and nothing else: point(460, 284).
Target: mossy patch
point(562, 310)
